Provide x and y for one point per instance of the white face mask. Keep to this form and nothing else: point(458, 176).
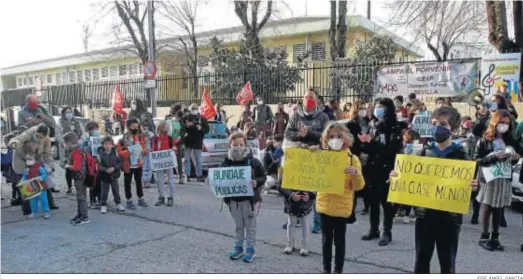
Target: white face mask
point(194, 112)
point(29, 162)
point(260, 102)
point(502, 128)
point(362, 113)
point(335, 144)
point(133, 106)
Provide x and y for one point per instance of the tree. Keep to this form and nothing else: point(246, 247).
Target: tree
point(233, 68)
point(87, 32)
point(440, 24)
point(252, 26)
point(338, 48)
point(357, 73)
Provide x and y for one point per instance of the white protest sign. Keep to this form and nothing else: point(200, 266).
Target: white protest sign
point(161, 160)
point(422, 124)
point(497, 170)
point(231, 182)
point(96, 142)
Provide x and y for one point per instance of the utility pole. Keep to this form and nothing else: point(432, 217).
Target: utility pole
point(151, 47)
point(368, 9)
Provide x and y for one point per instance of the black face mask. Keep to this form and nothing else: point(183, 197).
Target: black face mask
point(134, 131)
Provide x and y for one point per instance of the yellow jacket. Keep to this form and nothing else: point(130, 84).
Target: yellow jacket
point(340, 205)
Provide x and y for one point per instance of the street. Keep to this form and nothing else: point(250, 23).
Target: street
point(194, 236)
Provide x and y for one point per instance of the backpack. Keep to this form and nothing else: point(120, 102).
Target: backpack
point(92, 170)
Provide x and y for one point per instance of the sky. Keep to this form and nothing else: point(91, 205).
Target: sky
point(33, 30)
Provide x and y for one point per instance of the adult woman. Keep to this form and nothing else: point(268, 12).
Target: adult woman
point(496, 193)
point(382, 145)
point(68, 124)
point(346, 110)
point(221, 115)
point(139, 112)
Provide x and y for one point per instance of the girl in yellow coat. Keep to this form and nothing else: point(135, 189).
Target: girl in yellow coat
point(334, 209)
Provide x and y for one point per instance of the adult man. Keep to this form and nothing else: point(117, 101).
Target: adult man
point(194, 128)
point(262, 115)
point(280, 120)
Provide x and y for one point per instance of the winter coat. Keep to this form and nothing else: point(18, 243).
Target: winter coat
point(340, 205)
point(315, 122)
point(71, 126)
point(192, 137)
point(109, 160)
point(26, 114)
point(41, 151)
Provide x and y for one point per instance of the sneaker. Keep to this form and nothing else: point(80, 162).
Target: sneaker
point(142, 203)
point(236, 254)
point(120, 207)
point(82, 221)
point(161, 201)
point(496, 245)
point(288, 250)
point(181, 180)
point(304, 252)
point(170, 201)
point(31, 216)
point(406, 219)
point(103, 209)
point(72, 221)
point(131, 205)
point(47, 215)
point(249, 255)
point(316, 229)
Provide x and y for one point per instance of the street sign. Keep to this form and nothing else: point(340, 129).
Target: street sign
point(149, 70)
point(150, 83)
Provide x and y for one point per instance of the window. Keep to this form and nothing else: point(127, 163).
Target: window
point(72, 77)
point(96, 75)
point(297, 51)
point(25, 81)
point(64, 78)
point(122, 70)
point(80, 76)
point(58, 78)
point(133, 69)
point(140, 69)
point(19, 82)
point(49, 79)
point(113, 71)
point(105, 72)
point(31, 81)
point(203, 61)
point(87, 75)
point(42, 80)
point(318, 51)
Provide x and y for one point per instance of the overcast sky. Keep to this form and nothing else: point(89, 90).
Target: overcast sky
point(35, 29)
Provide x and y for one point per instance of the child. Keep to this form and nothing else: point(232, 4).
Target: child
point(147, 171)
point(34, 170)
point(272, 160)
point(92, 130)
point(242, 208)
point(334, 209)
point(110, 165)
point(435, 227)
point(132, 163)
point(164, 142)
point(78, 165)
point(410, 137)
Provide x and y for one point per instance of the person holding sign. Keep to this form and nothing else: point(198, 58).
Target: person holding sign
point(37, 170)
point(159, 143)
point(334, 209)
point(436, 228)
point(132, 149)
point(242, 207)
point(495, 175)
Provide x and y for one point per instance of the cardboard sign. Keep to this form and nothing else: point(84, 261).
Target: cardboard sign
point(434, 183)
point(96, 142)
point(422, 124)
point(231, 182)
point(497, 170)
point(135, 153)
point(162, 160)
point(315, 171)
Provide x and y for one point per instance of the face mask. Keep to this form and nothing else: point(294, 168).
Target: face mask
point(133, 106)
point(194, 112)
point(260, 102)
point(69, 115)
point(35, 139)
point(379, 112)
point(33, 105)
point(362, 113)
point(502, 128)
point(95, 133)
point(134, 131)
point(237, 153)
point(310, 104)
point(30, 162)
point(441, 134)
point(335, 144)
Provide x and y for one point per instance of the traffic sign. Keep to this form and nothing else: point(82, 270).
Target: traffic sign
point(149, 70)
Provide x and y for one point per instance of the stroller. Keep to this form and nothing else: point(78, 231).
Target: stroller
point(10, 175)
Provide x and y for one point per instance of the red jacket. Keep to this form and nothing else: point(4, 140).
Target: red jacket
point(163, 142)
point(121, 147)
point(404, 112)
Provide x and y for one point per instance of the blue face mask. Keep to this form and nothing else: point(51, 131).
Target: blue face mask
point(69, 116)
point(95, 133)
point(379, 112)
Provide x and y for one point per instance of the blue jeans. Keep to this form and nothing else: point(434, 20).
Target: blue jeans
point(43, 199)
point(197, 159)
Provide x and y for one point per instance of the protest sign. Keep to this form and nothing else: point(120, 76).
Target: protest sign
point(135, 153)
point(315, 171)
point(231, 182)
point(422, 124)
point(441, 79)
point(500, 74)
point(435, 183)
point(161, 160)
point(96, 142)
point(497, 170)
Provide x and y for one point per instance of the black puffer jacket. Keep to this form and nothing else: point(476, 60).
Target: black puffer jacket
point(108, 160)
point(192, 137)
point(258, 174)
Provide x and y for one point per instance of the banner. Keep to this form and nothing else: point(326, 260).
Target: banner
point(435, 183)
point(422, 124)
point(245, 94)
point(439, 79)
point(96, 142)
point(497, 170)
point(161, 160)
point(135, 153)
point(207, 109)
point(314, 171)
point(500, 74)
point(231, 182)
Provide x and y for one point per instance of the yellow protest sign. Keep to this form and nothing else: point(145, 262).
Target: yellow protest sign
point(434, 183)
point(314, 171)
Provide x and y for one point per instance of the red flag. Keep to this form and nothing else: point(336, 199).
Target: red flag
point(117, 102)
point(207, 109)
point(245, 94)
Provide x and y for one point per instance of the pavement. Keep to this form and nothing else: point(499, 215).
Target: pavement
point(195, 235)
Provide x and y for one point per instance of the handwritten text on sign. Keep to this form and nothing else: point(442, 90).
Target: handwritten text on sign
point(162, 160)
point(497, 170)
point(96, 142)
point(231, 182)
point(315, 171)
point(434, 183)
point(422, 124)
